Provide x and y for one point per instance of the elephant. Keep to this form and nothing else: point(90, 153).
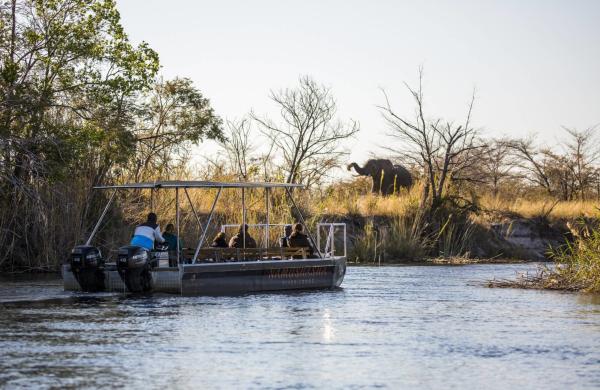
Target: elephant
point(394, 176)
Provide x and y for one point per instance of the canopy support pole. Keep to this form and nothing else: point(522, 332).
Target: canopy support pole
point(152, 199)
point(212, 210)
point(177, 221)
point(193, 209)
point(244, 222)
point(287, 190)
point(267, 204)
point(112, 197)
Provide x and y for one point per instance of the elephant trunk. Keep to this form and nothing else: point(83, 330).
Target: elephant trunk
point(357, 168)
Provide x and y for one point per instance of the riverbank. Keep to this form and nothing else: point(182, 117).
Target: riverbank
point(381, 230)
point(576, 268)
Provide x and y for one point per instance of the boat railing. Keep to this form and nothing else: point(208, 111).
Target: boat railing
point(331, 236)
point(334, 237)
point(266, 236)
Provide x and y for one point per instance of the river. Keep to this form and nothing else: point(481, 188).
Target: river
point(388, 327)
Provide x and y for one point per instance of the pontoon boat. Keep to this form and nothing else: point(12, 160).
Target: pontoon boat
point(206, 270)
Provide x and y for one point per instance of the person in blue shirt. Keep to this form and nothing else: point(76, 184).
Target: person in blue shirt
point(171, 238)
point(171, 241)
point(147, 233)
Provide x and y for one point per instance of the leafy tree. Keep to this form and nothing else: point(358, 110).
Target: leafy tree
point(68, 77)
point(173, 116)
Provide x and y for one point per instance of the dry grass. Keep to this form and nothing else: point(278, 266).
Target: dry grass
point(355, 198)
point(550, 208)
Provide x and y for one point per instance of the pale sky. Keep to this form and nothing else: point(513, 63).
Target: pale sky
point(535, 64)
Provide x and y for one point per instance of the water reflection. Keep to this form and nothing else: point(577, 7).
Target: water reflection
point(589, 299)
point(389, 327)
point(328, 330)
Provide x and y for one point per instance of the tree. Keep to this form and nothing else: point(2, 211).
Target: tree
point(583, 151)
point(69, 78)
point(173, 115)
point(445, 151)
point(309, 136)
point(496, 164)
point(568, 173)
point(239, 147)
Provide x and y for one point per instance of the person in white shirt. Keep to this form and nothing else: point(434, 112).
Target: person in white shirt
point(147, 233)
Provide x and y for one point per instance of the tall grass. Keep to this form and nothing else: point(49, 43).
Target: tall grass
point(578, 264)
point(576, 268)
point(389, 229)
point(404, 239)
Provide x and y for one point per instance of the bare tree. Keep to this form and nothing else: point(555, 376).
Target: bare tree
point(308, 136)
point(567, 174)
point(584, 153)
point(528, 160)
point(445, 151)
point(238, 146)
point(497, 164)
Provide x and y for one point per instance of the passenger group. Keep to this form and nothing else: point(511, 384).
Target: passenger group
point(148, 233)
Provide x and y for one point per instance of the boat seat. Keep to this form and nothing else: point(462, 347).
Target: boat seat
point(239, 254)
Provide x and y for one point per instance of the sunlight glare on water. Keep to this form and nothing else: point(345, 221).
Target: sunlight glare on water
point(394, 327)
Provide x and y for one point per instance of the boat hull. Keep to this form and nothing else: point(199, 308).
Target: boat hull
point(234, 277)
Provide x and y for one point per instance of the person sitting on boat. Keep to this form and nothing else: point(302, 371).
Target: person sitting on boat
point(238, 240)
point(284, 241)
point(300, 240)
point(147, 233)
point(220, 241)
point(171, 240)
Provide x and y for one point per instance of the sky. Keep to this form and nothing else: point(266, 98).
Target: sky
point(535, 65)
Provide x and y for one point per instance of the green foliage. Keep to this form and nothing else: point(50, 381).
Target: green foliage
point(172, 116)
point(80, 105)
point(68, 69)
point(578, 264)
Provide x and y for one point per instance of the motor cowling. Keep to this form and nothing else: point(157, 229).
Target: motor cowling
point(134, 265)
point(87, 266)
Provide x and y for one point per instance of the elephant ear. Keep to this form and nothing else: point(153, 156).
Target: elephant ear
point(386, 164)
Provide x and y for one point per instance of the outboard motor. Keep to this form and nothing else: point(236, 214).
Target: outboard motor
point(87, 266)
point(134, 265)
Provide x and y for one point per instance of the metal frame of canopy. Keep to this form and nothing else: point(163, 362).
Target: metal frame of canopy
point(205, 184)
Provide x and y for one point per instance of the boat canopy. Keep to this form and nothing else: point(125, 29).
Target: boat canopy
point(185, 184)
point(197, 184)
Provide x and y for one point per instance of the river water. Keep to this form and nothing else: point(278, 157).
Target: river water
point(388, 327)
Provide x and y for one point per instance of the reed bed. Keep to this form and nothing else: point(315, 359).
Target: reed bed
point(576, 268)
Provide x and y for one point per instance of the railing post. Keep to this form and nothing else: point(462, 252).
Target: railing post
point(268, 204)
point(177, 222)
point(244, 221)
point(333, 240)
point(345, 245)
point(319, 236)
